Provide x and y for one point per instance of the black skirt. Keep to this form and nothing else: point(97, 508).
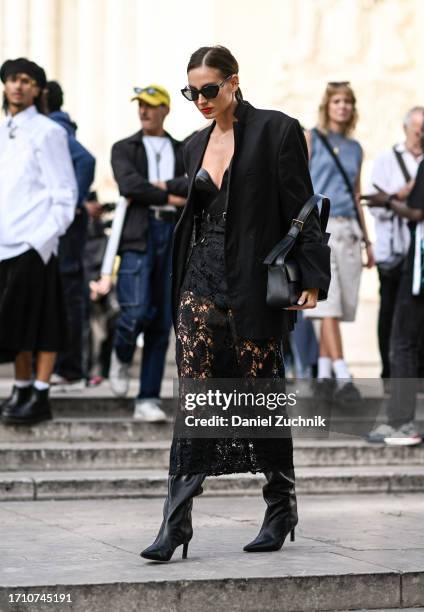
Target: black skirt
point(208, 347)
point(32, 307)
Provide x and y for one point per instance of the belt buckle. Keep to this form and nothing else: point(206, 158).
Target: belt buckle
point(297, 223)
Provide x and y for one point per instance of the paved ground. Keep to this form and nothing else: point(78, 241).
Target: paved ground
point(372, 538)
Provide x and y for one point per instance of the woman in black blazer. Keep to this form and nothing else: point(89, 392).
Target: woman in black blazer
point(248, 178)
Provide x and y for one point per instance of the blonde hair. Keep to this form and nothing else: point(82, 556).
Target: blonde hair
point(331, 90)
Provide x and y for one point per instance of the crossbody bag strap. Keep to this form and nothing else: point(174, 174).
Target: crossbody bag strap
point(402, 165)
point(342, 171)
point(286, 244)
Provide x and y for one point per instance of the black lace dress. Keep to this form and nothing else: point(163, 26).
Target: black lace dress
point(207, 346)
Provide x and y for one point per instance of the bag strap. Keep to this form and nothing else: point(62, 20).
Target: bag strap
point(284, 246)
point(342, 171)
point(402, 165)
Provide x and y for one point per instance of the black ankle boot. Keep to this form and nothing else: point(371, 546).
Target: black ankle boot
point(281, 513)
point(34, 410)
point(176, 528)
point(19, 395)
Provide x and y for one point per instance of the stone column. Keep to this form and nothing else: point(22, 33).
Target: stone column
point(14, 40)
point(44, 35)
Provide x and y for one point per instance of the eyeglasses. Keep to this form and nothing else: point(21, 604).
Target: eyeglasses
point(338, 83)
point(149, 90)
point(208, 91)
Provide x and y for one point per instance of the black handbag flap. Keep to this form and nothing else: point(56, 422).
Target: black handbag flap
point(293, 271)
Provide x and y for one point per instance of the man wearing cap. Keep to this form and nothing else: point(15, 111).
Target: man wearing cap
point(38, 194)
point(148, 168)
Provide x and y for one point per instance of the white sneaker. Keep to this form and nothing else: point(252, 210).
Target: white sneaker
point(119, 376)
point(380, 433)
point(406, 435)
point(149, 410)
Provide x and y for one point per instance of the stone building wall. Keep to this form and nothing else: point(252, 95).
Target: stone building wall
point(287, 49)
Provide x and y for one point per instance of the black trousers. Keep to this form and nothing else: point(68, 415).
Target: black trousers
point(69, 362)
point(389, 287)
point(405, 340)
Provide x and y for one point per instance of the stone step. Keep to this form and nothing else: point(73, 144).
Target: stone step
point(341, 559)
point(155, 454)
point(81, 429)
point(88, 484)
point(97, 406)
point(126, 429)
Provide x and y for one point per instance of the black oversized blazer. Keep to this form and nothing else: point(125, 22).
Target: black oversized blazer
point(268, 184)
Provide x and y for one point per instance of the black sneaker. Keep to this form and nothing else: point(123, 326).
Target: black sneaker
point(348, 394)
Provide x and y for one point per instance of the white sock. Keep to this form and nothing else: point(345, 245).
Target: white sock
point(21, 384)
point(40, 385)
point(341, 372)
point(324, 367)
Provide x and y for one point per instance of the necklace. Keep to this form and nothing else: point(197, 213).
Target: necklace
point(158, 155)
point(12, 128)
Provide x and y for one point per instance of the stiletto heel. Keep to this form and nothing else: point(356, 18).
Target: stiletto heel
point(281, 513)
point(176, 528)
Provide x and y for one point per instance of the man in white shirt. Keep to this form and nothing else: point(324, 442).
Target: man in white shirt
point(393, 174)
point(38, 195)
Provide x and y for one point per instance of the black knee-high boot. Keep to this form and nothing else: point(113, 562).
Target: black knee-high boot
point(176, 528)
point(281, 513)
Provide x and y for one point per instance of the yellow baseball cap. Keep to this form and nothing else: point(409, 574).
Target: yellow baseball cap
point(155, 95)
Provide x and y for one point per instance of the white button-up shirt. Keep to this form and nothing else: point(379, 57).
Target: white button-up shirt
point(392, 233)
point(38, 190)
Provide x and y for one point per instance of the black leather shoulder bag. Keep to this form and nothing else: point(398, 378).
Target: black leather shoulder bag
point(284, 276)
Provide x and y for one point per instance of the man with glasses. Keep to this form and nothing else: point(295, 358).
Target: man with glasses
point(148, 168)
point(38, 193)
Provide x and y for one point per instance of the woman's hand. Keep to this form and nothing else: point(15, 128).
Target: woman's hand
point(308, 299)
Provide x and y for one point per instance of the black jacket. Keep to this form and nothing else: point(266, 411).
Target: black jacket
point(130, 169)
point(268, 184)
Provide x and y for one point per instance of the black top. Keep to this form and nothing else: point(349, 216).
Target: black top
point(205, 271)
point(268, 184)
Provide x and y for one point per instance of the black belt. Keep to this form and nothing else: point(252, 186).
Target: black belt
point(163, 215)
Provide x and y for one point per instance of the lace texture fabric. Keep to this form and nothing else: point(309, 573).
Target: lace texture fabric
point(207, 346)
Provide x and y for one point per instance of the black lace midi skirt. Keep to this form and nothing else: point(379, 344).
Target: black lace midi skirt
point(207, 347)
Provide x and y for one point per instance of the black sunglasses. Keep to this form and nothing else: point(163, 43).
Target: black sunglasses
point(208, 91)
